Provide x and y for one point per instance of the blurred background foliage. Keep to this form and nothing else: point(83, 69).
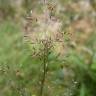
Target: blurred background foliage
point(72, 64)
point(6, 9)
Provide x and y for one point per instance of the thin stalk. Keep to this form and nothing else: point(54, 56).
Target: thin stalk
point(45, 56)
point(45, 62)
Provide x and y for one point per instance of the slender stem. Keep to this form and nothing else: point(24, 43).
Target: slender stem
point(45, 61)
point(45, 58)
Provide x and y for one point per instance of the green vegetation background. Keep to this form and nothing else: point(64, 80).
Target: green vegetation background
point(20, 72)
